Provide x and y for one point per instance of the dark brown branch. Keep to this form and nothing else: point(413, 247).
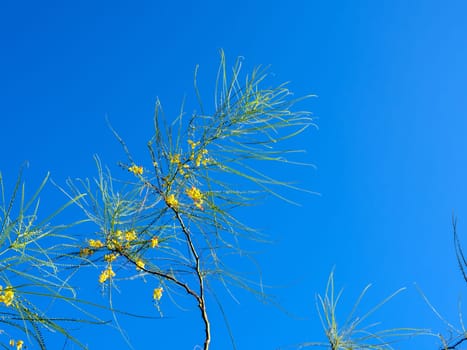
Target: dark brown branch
point(201, 297)
point(201, 301)
point(160, 274)
point(454, 346)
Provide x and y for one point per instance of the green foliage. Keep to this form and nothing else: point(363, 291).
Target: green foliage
point(173, 224)
point(169, 220)
point(354, 333)
point(31, 273)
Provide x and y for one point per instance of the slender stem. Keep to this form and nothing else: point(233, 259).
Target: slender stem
point(201, 300)
point(454, 346)
point(201, 297)
point(160, 274)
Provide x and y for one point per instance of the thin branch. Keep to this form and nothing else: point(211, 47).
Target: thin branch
point(201, 301)
point(454, 346)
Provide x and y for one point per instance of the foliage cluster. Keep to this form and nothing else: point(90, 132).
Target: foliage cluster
point(168, 220)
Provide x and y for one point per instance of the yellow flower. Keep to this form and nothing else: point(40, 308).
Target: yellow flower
point(114, 244)
point(193, 144)
point(182, 171)
point(110, 257)
point(137, 170)
point(157, 294)
point(198, 159)
point(154, 242)
point(130, 235)
point(84, 252)
point(106, 274)
point(194, 193)
point(175, 159)
point(206, 161)
point(119, 234)
point(197, 196)
point(172, 201)
point(7, 296)
point(19, 344)
point(139, 264)
point(95, 243)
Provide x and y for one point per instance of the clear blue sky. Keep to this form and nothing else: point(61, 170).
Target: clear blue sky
point(390, 152)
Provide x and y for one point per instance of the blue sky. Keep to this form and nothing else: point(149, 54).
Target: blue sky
point(390, 150)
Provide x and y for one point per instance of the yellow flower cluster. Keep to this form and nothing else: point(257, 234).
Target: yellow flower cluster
point(139, 264)
point(106, 274)
point(84, 252)
point(201, 158)
point(198, 157)
point(137, 170)
point(95, 243)
point(7, 295)
point(157, 294)
point(154, 242)
point(119, 237)
point(110, 257)
point(172, 201)
point(130, 235)
point(197, 196)
point(175, 159)
point(114, 244)
point(182, 170)
point(193, 144)
point(19, 344)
